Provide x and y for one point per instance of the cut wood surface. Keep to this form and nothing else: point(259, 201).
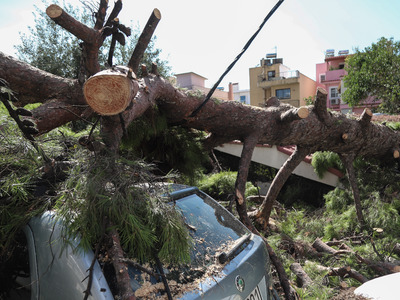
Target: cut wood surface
point(111, 91)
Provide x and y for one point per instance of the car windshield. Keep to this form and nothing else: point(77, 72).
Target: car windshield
point(213, 228)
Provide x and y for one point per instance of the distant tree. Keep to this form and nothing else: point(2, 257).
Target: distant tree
point(375, 72)
point(51, 48)
point(48, 47)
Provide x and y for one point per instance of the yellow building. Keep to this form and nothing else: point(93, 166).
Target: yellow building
point(273, 79)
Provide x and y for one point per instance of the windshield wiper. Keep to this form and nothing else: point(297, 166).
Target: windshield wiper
point(226, 256)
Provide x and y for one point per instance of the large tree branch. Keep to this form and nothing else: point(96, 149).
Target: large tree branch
point(240, 185)
point(92, 38)
point(62, 112)
point(33, 85)
point(69, 23)
point(101, 14)
point(144, 40)
point(222, 118)
point(279, 180)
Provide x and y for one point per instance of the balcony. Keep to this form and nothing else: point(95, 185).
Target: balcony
point(283, 78)
point(334, 75)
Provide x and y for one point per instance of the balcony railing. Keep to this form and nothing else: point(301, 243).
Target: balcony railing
point(281, 75)
point(333, 75)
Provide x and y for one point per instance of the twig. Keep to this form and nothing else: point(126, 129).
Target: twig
point(164, 280)
point(90, 281)
point(140, 267)
point(375, 250)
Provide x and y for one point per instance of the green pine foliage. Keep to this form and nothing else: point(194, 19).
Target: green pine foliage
point(323, 160)
point(19, 165)
point(222, 185)
point(94, 193)
point(175, 148)
point(101, 194)
point(394, 125)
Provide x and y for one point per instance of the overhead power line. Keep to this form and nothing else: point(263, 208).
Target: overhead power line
point(194, 113)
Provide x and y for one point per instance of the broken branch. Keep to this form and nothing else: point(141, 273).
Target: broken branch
point(144, 40)
point(303, 279)
point(66, 21)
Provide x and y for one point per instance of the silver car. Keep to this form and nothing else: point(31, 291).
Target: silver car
point(227, 261)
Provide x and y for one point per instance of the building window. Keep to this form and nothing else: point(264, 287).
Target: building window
point(321, 77)
point(333, 93)
point(243, 99)
point(271, 74)
point(341, 66)
point(282, 94)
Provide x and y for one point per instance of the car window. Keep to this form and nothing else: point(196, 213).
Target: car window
point(212, 227)
point(213, 230)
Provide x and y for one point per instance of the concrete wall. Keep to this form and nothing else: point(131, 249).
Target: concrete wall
point(190, 80)
point(271, 156)
point(307, 88)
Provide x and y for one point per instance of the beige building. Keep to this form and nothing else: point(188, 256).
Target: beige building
point(273, 79)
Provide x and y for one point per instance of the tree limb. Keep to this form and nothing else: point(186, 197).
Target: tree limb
point(240, 185)
point(69, 23)
point(144, 40)
point(279, 180)
point(302, 277)
point(348, 163)
point(121, 270)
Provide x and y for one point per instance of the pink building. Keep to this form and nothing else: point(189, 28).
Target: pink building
point(193, 81)
point(329, 75)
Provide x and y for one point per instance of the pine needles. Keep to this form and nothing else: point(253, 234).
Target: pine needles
point(117, 195)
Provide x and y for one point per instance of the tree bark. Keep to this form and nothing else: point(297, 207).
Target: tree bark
point(383, 268)
point(121, 269)
point(348, 162)
point(303, 279)
point(92, 39)
point(144, 40)
point(320, 246)
point(290, 292)
point(342, 272)
point(283, 174)
point(241, 179)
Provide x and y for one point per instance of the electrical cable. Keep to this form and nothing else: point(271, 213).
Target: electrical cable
point(194, 113)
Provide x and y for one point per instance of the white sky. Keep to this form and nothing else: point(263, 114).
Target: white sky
point(205, 36)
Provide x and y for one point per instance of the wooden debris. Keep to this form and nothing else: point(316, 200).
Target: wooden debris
point(303, 279)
